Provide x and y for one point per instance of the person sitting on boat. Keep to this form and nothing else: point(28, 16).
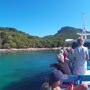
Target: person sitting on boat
point(62, 65)
point(80, 57)
point(68, 49)
point(56, 78)
point(60, 56)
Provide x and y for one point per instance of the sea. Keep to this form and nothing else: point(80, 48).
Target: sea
point(25, 70)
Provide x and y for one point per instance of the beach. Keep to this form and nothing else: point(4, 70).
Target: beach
point(27, 49)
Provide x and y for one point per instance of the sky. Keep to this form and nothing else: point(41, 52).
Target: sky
point(44, 17)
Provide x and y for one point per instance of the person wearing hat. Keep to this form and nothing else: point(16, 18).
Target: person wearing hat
point(57, 77)
point(62, 65)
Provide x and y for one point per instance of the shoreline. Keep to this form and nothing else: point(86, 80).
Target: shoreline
point(27, 49)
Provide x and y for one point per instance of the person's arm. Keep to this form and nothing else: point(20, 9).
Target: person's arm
point(74, 58)
point(69, 88)
point(78, 87)
point(66, 60)
point(87, 56)
point(74, 55)
point(53, 64)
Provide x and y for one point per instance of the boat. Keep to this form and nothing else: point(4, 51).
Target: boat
point(84, 35)
point(80, 78)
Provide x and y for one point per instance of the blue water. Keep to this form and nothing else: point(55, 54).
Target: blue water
point(25, 70)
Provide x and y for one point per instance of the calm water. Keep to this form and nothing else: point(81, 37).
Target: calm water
point(25, 70)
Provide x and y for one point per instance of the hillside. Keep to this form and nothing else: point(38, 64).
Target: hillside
point(64, 33)
point(13, 38)
point(68, 29)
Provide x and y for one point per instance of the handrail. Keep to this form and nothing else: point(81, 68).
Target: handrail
point(79, 78)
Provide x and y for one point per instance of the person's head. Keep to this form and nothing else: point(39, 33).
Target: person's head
point(65, 54)
point(80, 41)
point(71, 51)
point(68, 49)
point(60, 57)
point(56, 77)
point(61, 51)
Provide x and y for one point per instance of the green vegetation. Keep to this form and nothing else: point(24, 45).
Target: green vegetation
point(12, 38)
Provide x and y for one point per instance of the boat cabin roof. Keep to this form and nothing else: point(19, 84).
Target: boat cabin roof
point(74, 42)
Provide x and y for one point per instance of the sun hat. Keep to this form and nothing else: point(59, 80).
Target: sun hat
point(61, 51)
point(57, 75)
point(60, 57)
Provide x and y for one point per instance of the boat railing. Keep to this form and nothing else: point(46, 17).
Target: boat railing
point(84, 78)
point(77, 80)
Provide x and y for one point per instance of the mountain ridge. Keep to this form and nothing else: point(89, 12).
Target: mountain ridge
point(66, 32)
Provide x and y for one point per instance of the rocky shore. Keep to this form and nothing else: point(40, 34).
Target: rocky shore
point(27, 49)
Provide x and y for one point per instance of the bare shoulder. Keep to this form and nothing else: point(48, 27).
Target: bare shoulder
point(57, 88)
point(69, 88)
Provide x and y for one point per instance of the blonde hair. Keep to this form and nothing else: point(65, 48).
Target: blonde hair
point(80, 41)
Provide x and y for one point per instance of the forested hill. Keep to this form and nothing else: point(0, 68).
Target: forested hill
point(13, 38)
point(69, 29)
point(65, 32)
